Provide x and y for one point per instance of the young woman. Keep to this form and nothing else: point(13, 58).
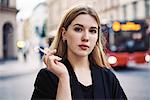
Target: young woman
point(76, 63)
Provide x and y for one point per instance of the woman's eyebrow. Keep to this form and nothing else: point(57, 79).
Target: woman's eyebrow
point(83, 26)
point(78, 25)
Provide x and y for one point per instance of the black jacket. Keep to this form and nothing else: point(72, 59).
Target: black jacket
point(105, 84)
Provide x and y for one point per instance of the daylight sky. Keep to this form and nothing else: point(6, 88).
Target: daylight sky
point(25, 7)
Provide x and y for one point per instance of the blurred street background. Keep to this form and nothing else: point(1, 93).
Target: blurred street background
point(26, 25)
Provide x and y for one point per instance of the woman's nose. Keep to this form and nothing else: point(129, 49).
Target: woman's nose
point(85, 36)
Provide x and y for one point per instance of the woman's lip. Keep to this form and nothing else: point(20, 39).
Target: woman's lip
point(84, 47)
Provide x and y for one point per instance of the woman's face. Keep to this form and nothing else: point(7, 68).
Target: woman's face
point(81, 35)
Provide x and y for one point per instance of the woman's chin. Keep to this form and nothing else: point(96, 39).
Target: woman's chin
point(83, 54)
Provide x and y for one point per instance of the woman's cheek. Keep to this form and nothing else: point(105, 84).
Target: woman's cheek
point(93, 43)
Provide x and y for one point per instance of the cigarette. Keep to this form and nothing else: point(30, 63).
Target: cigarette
point(42, 50)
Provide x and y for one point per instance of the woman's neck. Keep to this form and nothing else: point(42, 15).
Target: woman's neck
point(78, 61)
point(81, 68)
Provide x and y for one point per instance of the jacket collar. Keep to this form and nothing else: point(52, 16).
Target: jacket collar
point(97, 81)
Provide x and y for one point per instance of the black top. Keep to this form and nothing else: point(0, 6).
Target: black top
point(87, 91)
point(105, 85)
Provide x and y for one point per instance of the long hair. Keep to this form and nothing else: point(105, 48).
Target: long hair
point(97, 55)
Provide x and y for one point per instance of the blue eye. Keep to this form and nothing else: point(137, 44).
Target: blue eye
point(78, 29)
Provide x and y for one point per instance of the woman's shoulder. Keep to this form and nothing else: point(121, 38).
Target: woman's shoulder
point(111, 83)
point(44, 72)
point(45, 85)
point(46, 77)
point(107, 72)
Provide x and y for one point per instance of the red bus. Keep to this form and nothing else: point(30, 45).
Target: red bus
point(127, 41)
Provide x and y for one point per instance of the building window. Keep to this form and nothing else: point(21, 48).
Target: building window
point(125, 11)
point(4, 2)
point(135, 9)
point(147, 8)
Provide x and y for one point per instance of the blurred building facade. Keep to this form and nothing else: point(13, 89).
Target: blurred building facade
point(57, 8)
point(8, 49)
point(125, 9)
point(108, 10)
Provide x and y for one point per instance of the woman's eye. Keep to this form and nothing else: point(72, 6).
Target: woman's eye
point(78, 29)
point(93, 31)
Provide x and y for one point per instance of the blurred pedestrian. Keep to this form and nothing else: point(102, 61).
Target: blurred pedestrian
point(50, 40)
point(25, 50)
point(76, 63)
point(51, 36)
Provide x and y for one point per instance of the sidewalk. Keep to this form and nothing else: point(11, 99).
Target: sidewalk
point(20, 67)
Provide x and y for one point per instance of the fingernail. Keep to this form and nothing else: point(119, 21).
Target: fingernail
point(59, 58)
point(55, 50)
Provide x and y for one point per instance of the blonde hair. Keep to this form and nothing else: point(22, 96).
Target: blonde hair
point(97, 55)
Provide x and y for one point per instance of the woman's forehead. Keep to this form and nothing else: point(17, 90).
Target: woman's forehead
point(85, 20)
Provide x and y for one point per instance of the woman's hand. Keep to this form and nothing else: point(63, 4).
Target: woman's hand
point(59, 69)
point(54, 65)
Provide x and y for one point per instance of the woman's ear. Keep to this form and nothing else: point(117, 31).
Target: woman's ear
point(63, 33)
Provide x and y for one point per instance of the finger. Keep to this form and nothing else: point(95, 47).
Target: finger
point(59, 63)
point(52, 60)
point(53, 57)
point(58, 58)
point(46, 50)
point(51, 52)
